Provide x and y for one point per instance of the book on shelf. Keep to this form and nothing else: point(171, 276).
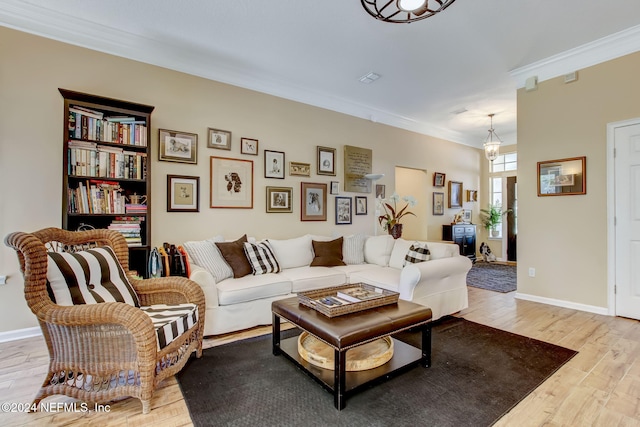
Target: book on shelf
point(87, 124)
point(130, 228)
point(359, 294)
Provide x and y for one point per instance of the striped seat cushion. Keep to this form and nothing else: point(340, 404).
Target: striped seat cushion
point(171, 320)
point(88, 277)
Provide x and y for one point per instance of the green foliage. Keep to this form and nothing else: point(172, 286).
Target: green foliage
point(492, 216)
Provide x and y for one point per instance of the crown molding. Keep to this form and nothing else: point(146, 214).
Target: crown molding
point(589, 54)
point(51, 24)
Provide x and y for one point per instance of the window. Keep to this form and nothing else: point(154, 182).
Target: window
point(503, 166)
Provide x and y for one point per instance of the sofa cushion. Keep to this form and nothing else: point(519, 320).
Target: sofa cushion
point(400, 249)
point(418, 252)
point(353, 249)
point(293, 253)
point(261, 257)
point(349, 269)
point(88, 277)
point(307, 278)
point(250, 288)
point(171, 320)
point(327, 254)
point(443, 250)
point(233, 253)
point(377, 250)
point(206, 254)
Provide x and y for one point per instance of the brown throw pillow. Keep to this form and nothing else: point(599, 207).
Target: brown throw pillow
point(328, 254)
point(233, 253)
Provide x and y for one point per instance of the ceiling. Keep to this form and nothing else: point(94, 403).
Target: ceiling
point(471, 57)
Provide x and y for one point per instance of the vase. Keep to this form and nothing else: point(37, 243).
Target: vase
point(396, 231)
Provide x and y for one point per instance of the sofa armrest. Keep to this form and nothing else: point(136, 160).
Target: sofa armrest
point(207, 282)
point(414, 275)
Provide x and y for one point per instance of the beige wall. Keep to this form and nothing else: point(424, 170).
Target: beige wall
point(31, 71)
point(565, 238)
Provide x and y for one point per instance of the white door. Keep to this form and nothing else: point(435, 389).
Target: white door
point(627, 214)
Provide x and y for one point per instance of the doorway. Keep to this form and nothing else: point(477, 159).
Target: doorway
point(623, 149)
point(413, 182)
point(512, 218)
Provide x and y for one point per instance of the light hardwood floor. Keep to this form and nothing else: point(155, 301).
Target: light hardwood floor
point(598, 387)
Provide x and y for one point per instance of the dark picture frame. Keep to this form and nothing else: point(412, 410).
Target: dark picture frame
point(279, 199)
point(438, 203)
point(344, 210)
point(183, 193)
point(326, 161)
point(220, 139)
point(274, 164)
point(249, 146)
point(313, 201)
point(381, 191)
point(455, 194)
point(361, 205)
point(562, 177)
point(439, 179)
point(231, 183)
point(176, 146)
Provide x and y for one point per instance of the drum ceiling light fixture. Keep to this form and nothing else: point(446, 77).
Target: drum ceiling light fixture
point(404, 11)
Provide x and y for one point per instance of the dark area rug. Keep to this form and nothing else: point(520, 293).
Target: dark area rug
point(492, 276)
point(478, 374)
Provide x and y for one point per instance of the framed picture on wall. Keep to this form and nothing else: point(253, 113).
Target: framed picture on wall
point(220, 139)
point(279, 199)
point(299, 169)
point(313, 201)
point(249, 146)
point(335, 187)
point(343, 210)
point(361, 205)
point(183, 193)
point(326, 161)
point(455, 194)
point(273, 164)
point(562, 177)
point(438, 179)
point(231, 183)
point(380, 191)
point(466, 216)
point(181, 147)
point(472, 195)
point(438, 203)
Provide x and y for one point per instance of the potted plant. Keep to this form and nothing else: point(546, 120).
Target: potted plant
point(390, 221)
point(492, 217)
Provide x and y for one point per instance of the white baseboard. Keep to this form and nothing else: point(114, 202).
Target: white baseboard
point(19, 334)
point(562, 303)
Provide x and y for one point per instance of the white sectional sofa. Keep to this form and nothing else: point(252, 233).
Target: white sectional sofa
point(234, 304)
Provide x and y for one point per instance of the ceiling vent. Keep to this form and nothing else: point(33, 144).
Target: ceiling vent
point(369, 78)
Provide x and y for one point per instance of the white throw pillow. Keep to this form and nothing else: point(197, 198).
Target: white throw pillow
point(353, 249)
point(418, 252)
point(292, 253)
point(377, 250)
point(400, 249)
point(206, 254)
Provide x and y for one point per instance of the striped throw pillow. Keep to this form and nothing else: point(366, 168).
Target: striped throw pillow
point(206, 254)
point(261, 257)
point(353, 249)
point(418, 252)
point(88, 277)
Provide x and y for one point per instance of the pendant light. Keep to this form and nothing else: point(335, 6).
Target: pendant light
point(404, 11)
point(491, 147)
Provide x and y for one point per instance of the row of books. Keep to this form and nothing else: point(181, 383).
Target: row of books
point(130, 227)
point(89, 159)
point(88, 124)
point(96, 197)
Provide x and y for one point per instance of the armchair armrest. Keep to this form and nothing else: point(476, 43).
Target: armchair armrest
point(413, 275)
point(168, 290)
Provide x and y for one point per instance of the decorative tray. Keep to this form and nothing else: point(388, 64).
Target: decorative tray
point(345, 299)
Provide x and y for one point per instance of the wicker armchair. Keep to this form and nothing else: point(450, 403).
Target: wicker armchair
point(99, 352)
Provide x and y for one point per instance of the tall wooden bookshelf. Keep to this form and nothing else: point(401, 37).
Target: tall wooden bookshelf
point(107, 160)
